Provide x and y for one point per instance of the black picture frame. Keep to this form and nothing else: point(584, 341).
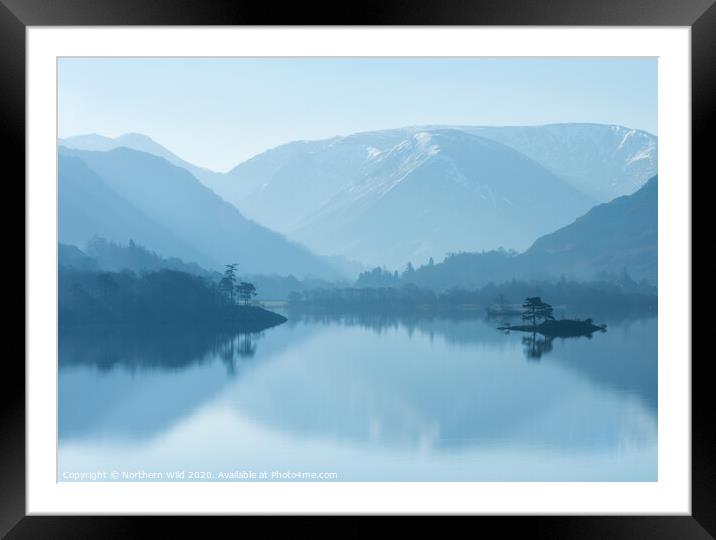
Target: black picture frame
point(16, 15)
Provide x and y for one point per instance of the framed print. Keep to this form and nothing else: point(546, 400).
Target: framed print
point(425, 262)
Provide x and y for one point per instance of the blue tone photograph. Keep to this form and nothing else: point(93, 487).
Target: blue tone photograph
point(357, 269)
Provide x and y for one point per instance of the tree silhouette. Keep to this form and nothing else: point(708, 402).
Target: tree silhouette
point(534, 308)
point(245, 291)
point(228, 281)
point(545, 312)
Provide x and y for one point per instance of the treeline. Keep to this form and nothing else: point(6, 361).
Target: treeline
point(165, 296)
point(457, 269)
point(570, 298)
point(476, 270)
point(275, 287)
point(407, 296)
point(101, 254)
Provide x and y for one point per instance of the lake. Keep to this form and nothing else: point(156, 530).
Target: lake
point(358, 398)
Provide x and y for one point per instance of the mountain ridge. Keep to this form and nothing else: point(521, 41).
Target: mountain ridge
point(213, 231)
point(221, 180)
point(622, 233)
point(439, 192)
point(309, 189)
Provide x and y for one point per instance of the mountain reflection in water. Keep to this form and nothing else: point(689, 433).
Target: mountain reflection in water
point(371, 397)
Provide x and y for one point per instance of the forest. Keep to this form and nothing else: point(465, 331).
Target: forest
point(163, 296)
point(568, 297)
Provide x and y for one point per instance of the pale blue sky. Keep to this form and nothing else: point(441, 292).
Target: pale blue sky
point(219, 112)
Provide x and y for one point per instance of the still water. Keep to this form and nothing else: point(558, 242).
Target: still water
point(358, 399)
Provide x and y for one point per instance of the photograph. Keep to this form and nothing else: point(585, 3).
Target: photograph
point(358, 269)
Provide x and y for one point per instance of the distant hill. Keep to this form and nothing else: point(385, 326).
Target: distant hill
point(142, 143)
point(610, 237)
point(125, 194)
point(320, 191)
point(615, 241)
point(392, 196)
point(439, 192)
point(603, 161)
point(88, 207)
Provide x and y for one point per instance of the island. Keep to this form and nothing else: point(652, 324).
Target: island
point(534, 309)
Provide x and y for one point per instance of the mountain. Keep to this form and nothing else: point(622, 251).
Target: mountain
point(88, 207)
point(439, 192)
point(142, 143)
point(602, 161)
point(295, 188)
point(608, 240)
point(310, 190)
point(125, 194)
point(284, 186)
point(621, 234)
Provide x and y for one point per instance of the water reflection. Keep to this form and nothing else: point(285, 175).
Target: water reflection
point(372, 397)
point(624, 358)
point(536, 345)
point(160, 347)
point(135, 381)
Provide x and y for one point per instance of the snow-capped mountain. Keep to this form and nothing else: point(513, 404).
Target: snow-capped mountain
point(366, 196)
point(602, 161)
point(438, 192)
point(284, 186)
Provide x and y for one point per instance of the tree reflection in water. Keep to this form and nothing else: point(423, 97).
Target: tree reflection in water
point(536, 345)
point(154, 347)
point(236, 349)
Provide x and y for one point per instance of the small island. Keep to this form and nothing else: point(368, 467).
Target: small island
point(534, 310)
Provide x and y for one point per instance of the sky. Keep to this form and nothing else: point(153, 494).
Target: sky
point(218, 112)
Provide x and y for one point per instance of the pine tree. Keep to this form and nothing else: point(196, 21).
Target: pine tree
point(228, 281)
point(246, 291)
point(534, 308)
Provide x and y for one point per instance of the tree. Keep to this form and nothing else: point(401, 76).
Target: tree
point(545, 312)
point(245, 291)
point(228, 281)
point(534, 309)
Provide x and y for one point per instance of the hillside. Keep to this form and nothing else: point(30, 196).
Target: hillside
point(610, 237)
point(441, 192)
point(602, 161)
point(615, 241)
point(392, 196)
point(124, 194)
